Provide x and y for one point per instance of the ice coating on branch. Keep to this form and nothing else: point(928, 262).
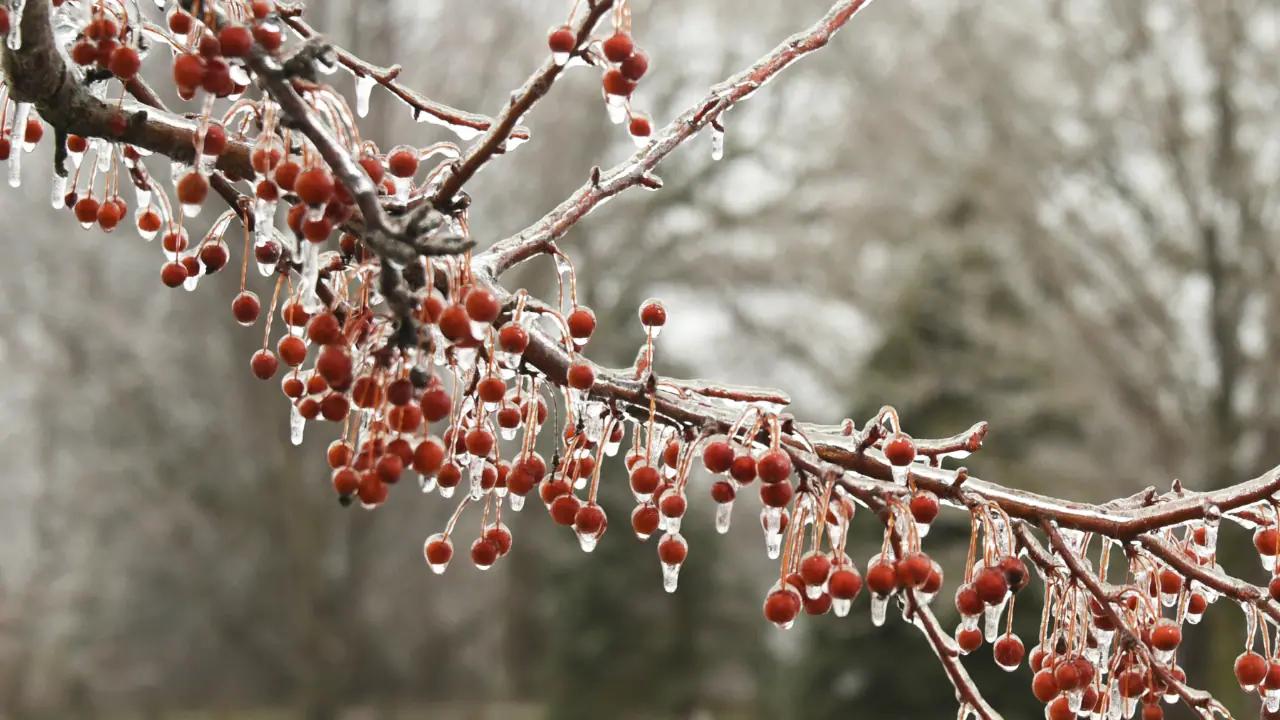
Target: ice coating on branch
point(14, 40)
point(465, 133)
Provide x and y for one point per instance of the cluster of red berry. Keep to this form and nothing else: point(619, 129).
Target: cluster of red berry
point(624, 65)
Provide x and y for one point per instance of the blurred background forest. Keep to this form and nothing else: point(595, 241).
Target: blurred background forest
point(1056, 216)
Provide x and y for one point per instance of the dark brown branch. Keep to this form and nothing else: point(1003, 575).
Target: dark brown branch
point(37, 74)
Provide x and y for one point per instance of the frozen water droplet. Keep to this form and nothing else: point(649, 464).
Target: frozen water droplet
point(617, 107)
point(717, 143)
point(560, 58)
point(516, 501)
point(364, 87)
point(587, 541)
point(437, 568)
point(427, 483)
point(670, 577)
point(192, 209)
point(724, 514)
point(879, 608)
point(447, 492)
point(841, 606)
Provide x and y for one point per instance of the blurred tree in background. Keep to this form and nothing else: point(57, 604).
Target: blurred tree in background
point(1058, 217)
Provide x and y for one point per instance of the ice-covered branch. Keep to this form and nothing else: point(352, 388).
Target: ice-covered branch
point(495, 139)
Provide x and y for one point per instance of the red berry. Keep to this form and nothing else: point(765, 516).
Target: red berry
point(513, 338)
point(717, 456)
point(782, 606)
point(124, 62)
point(635, 66)
point(214, 256)
point(562, 40)
point(246, 307)
point(484, 553)
point(346, 481)
point(482, 306)
point(403, 162)
point(899, 450)
point(1251, 669)
point(991, 585)
point(564, 509)
point(815, 568)
point(215, 140)
point(189, 70)
point(581, 322)
point(324, 328)
point(774, 466)
point(589, 520)
point(192, 188)
point(1008, 651)
point(924, 507)
point(615, 84)
point(845, 583)
point(264, 364)
point(1267, 541)
point(292, 350)
point(912, 570)
point(881, 577)
point(640, 125)
point(644, 480)
point(644, 521)
point(438, 551)
point(743, 469)
point(236, 40)
point(173, 274)
point(967, 601)
point(109, 214)
point(653, 314)
point(1015, 572)
point(1166, 635)
point(581, 376)
point(672, 549)
point(969, 639)
point(86, 211)
point(618, 47)
point(314, 186)
point(1043, 686)
point(776, 495)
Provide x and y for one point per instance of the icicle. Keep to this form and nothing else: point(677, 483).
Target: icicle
point(427, 483)
point(58, 193)
point(724, 514)
point(364, 88)
point(771, 520)
point(991, 617)
point(297, 424)
point(14, 41)
point(516, 501)
point(310, 276)
point(19, 126)
point(617, 107)
point(475, 474)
